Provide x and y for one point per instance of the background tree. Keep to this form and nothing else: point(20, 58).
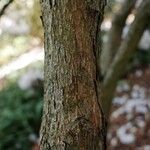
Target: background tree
point(2, 11)
point(118, 51)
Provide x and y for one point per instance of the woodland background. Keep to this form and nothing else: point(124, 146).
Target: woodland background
point(21, 82)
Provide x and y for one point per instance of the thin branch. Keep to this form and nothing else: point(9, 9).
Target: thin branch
point(124, 53)
point(115, 33)
point(2, 11)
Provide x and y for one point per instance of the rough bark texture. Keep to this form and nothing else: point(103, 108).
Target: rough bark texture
point(124, 53)
point(72, 116)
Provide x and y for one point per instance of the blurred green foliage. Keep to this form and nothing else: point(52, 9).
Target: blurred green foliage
point(20, 116)
point(142, 57)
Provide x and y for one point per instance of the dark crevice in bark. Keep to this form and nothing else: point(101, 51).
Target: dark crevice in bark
point(97, 43)
point(103, 129)
point(50, 3)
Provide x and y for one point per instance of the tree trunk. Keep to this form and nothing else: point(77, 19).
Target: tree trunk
point(72, 115)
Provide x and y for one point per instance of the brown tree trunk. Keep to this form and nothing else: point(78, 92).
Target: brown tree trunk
point(72, 116)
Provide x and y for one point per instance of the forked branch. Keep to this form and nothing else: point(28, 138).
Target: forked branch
point(115, 34)
point(124, 53)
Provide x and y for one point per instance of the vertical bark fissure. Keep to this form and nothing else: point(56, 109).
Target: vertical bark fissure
point(97, 50)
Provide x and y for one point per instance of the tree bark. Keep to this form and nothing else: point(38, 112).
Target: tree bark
point(72, 115)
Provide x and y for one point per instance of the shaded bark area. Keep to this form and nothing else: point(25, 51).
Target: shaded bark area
point(124, 53)
point(72, 116)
